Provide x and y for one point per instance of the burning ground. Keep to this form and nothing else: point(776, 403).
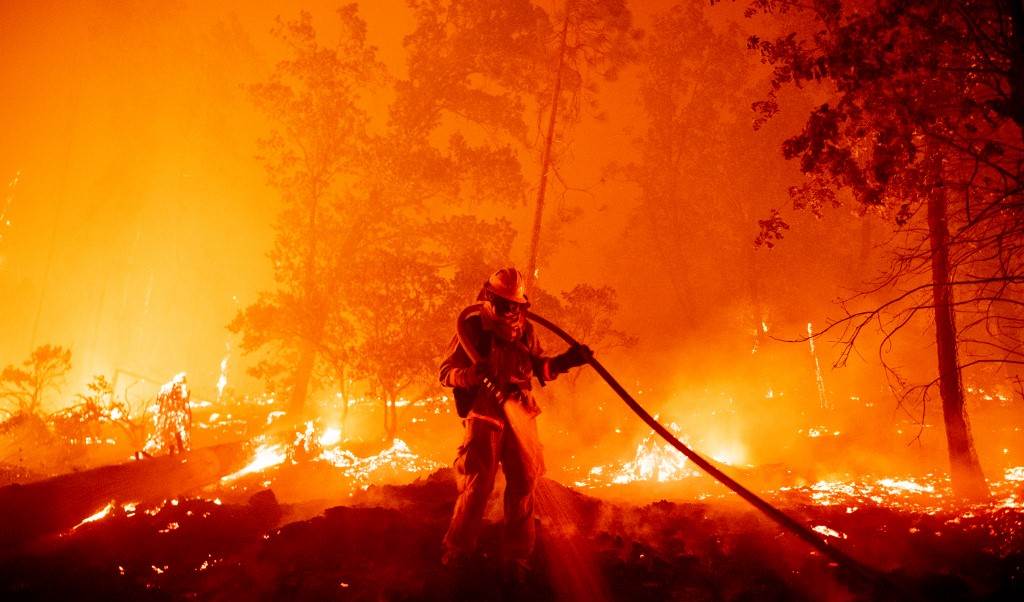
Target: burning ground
point(250, 529)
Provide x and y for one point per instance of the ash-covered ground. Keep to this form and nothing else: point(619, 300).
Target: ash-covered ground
point(384, 544)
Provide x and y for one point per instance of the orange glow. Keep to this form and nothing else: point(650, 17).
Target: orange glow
point(364, 471)
point(266, 456)
point(829, 532)
point(99, 515)
point(157, 219)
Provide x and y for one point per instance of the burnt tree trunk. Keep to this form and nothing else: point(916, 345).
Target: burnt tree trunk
point(33, 510)
point(965, 469)
point(390, 417)
point(754, 288)
point(344, 402)
point(394, 420)
point(307, 350)
point(300, 380)
point(545, 163)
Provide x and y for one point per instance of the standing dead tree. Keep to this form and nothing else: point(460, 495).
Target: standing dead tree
point(594, 40)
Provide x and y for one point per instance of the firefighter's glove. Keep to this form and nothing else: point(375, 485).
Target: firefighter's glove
point(577, 355)
point(473, 375)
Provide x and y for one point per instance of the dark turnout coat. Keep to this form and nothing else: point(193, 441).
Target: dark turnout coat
point(512, 366)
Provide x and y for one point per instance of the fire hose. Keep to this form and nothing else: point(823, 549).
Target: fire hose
point(785, 521)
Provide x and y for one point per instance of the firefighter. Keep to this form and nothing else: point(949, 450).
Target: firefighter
point(172, 419)
point(499, 429)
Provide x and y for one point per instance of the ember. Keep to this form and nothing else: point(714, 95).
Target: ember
point(95, 517)
point(829, 532)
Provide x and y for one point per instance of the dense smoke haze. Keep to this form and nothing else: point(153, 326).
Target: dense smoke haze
point(140, 217)
point(138, 220)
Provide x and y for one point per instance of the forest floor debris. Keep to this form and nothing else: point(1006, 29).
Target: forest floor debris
point(384, 544)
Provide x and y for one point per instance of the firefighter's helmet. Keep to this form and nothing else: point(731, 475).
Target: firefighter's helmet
point(509, 284)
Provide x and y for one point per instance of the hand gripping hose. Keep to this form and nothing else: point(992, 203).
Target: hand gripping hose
point(870, 576)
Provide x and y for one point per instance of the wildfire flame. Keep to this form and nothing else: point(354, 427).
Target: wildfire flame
point(906, 485)
point(398, 457)
point(818, 377)
point(658, 462)
point(654, 460)
point(315, 445)
point(931, 494)
point(829, 532)
point(330, 437)
point(267, 455)
point(222, 380)
point(103, 512)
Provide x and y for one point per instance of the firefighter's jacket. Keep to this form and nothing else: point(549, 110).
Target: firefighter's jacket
point(512, 366)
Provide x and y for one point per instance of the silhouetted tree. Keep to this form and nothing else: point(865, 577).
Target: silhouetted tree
point(355, 264)
point(924, 130)
point(367, 273)
point(500, 64)
point(313, 100)
point(691, 78)
point(471, 59)
point(93, 409)
point(589, 313)
point(459, 111)
point(594, 40)
point(470, 249)
point(400, 323)
point(24, 389)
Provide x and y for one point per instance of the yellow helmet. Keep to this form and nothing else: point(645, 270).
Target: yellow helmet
point(509, 284)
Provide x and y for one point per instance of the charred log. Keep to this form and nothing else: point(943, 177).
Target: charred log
point(57, 504)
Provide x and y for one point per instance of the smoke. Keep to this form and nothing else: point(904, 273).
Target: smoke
point(141, 215)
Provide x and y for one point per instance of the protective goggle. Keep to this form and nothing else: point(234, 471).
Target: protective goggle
point(503, 306)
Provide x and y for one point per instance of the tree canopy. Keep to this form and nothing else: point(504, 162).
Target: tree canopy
point(924, 129)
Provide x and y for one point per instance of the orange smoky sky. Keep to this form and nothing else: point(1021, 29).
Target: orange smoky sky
point(140, 218)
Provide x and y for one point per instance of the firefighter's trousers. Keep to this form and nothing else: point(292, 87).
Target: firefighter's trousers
point(486, 445)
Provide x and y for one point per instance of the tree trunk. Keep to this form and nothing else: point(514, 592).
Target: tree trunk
point(344, 404)
point(819, 378)
point(54, 505)
point(545, 163)
point(390, 418)
point(394, 420)
point(307, 352)
point(965, 469)
point(754, 288)
point(300, 380)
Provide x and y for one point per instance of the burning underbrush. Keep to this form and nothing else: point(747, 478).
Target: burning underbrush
point(287, 510)
point(317, 465)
